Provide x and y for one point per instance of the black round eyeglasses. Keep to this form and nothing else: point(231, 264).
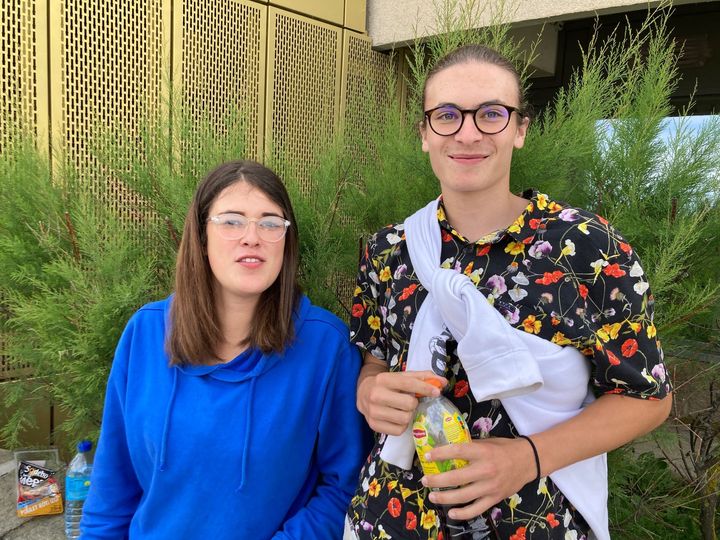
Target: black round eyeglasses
point(490, 118)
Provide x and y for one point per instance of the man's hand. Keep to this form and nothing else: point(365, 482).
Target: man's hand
point(497, 469)
point(388, 400)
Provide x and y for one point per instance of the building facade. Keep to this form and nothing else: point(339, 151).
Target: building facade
point(565, 28)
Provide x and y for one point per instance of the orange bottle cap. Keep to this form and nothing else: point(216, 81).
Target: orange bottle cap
point(437, 383)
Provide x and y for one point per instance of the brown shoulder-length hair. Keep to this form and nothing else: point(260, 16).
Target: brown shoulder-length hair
point(194, 327)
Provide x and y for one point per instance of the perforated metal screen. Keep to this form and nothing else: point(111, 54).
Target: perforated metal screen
point(364, 93)
point(304, 72)
point(365, 85)
point(111, 72)
point(222, 76)
point(18, 73)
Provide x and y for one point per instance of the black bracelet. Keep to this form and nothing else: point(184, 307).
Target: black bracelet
point(535, 453)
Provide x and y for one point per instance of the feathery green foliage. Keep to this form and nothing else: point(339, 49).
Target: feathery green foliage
point(72, 272)
point(601, 146)
point(327, 258)
point(646, 500)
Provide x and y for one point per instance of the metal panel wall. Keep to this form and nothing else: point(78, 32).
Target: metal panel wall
point(107, 72)
point(222, 52)
point(18, 67)
point(364, 92)
point(303, 88)
point(331, 11)
point(364, 86)
point(71, 67)
point(355, 11)
point(20, 84)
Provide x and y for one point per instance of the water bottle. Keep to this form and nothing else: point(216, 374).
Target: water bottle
point(77, 484)
point(438, 422)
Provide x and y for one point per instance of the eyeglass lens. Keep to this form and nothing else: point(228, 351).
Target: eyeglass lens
point(235, 226)
point(489, 119)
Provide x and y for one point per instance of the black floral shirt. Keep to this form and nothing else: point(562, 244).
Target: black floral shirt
point(561, 273)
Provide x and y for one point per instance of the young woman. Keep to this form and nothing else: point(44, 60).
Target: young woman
point(227, 413)
point(529, 309)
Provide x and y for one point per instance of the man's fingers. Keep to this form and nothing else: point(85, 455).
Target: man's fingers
point(423, 377)
point(468, 451)
point(411, 382)
point(389, 400)
point(393, 416)
point(384, 397)
point(471, 510)
point(383, 426)
point(450, 479)
point(461, 495)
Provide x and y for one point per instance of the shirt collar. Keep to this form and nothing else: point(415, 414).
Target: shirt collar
point(522, 230)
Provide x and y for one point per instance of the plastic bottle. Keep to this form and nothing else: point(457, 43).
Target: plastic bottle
point(77, 484)
point(438, 422)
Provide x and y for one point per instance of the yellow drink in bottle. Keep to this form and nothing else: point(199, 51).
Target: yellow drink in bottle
point(438, 422)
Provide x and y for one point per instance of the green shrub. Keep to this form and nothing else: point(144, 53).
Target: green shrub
point(647, 501)
point(72, 273)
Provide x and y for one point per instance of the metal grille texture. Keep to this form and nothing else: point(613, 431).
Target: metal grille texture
point(365, 86)
point(303, 90)
point(223, 68)
point(112, 79)
point(18, 94)
point(365, 91)
point(18, 74)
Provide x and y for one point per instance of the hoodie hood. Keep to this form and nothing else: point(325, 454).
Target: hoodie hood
point(245, 368)
point(250, 363)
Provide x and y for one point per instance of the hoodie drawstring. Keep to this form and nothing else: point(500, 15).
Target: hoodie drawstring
point(246, 442)
point(166, 426)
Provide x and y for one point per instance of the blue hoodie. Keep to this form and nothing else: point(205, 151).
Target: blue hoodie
point(265, 446)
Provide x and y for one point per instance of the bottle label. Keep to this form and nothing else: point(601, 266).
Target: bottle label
point(455, 429)
point(76, 487)
point(423, 445)
point(436, 429)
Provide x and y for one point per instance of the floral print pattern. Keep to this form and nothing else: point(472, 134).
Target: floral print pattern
point(558, 272)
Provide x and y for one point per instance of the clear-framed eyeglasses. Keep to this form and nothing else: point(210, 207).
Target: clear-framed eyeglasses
point(233, 226)
point(490, 118)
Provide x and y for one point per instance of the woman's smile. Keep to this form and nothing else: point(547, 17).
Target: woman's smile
point(250, 261)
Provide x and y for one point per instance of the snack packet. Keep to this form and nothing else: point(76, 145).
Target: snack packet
point(38, 491)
